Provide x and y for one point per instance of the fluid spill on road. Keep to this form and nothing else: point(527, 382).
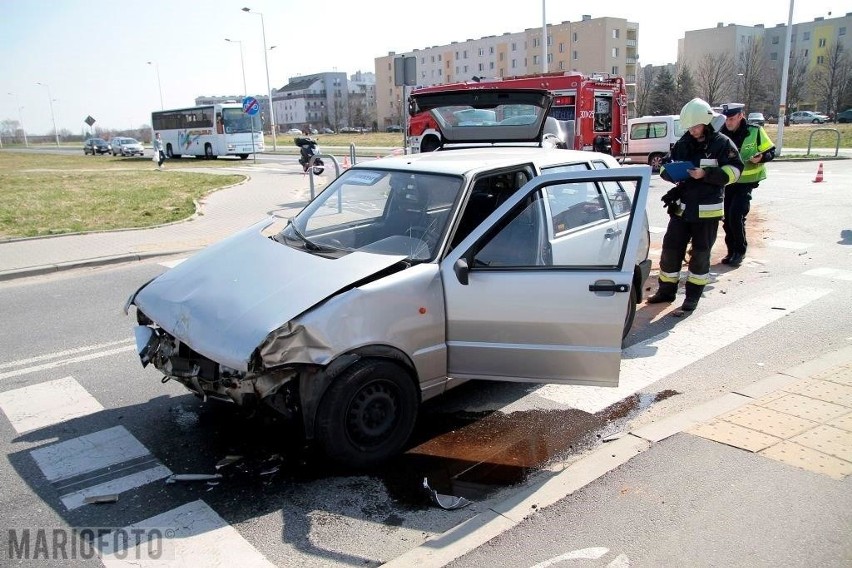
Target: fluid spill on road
point(472, 456)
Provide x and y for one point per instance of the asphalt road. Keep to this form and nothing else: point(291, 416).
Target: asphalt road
point(281, 504)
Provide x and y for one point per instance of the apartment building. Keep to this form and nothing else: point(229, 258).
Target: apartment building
point(810, 41)
point(591, 45)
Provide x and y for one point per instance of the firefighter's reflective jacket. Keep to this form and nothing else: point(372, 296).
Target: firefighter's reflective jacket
point(718, 156)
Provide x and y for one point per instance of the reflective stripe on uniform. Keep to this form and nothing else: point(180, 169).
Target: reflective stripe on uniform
point(697, 279)
point(732, 173)
point(669, 276)
point(710, 211)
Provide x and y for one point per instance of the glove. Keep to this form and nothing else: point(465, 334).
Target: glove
point(670, 199)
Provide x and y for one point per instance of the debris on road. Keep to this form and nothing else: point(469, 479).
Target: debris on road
point(447, 502)
point(193, 477)
point(99, 499)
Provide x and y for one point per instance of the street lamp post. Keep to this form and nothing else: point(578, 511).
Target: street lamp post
point(21, 117)
point(268, 89)
point(52, 116)
point(159, 84)
point(242, 64)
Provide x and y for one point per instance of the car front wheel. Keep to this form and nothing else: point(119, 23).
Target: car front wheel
point(367, 414)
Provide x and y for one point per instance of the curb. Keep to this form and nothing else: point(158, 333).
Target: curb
point(84, 263)
point(442, 549)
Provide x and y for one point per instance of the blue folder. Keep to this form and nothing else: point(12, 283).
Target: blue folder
point(678, 170)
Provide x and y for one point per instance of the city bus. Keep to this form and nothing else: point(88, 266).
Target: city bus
point(220, 129)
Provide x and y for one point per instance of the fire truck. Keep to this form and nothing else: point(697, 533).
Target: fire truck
point(590, 110)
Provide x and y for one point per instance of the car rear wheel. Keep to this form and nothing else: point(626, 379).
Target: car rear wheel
point(367, 414)
point(655, 161)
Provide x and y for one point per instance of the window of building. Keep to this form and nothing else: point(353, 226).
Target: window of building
point(615, 69)
point(439, 57)
point(805, 52)
point(806, 36)
point(550, 58)
point(423, 60)
point(842, 31)
point(481, 51)
point(574, 55)
point(501, 57)
point(820, 60)
point(482, 67)
point(514, 64)
point(822, 42)
point(457, 55)
point(615, 34)
point(549, 40)
point(491, 65)
point(465, 53)
point(775, 40)
point(433, 59)
point(440, 72)
point(465, 68)
point(615, 52)
point(457, 69)
point(535, 59)
point(491, 50)
point(514, 46)
point(773, 56)
point(536, 42)
point(561, 47)
point(562, 66)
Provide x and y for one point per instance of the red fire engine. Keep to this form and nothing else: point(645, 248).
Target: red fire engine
point(591, 110)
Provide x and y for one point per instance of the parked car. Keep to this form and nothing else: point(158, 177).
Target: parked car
point(126, 147)
point(297, 131)
point(807, 117)
point(845, 116)
point(394, 128)
point(327, 130)
point(756, 118)
point(409, 275)
point(95, 146)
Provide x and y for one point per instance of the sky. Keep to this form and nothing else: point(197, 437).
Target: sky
point(92, 57)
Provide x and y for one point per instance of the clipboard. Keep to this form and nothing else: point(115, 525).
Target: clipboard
point(678, 170)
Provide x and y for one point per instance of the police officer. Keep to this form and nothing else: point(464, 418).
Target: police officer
point(755, 150)
point(695, 204)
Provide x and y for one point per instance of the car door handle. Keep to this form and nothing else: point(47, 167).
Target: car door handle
point(608, 286)
point(612, 233)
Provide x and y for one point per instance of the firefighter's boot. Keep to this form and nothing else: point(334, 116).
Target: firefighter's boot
point(665, 293)
point(693, 294)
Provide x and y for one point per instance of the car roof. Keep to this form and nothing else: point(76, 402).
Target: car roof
point(472, 160)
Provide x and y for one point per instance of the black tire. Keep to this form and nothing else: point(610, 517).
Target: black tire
point(243, 156)
point(367, 414)
point(429, 144)
point(169, 153)
point(655, 161)
point(631, 312)
point(208, 151)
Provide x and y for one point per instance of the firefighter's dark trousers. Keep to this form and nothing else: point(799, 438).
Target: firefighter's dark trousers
point(679, 233)
point(737, 206)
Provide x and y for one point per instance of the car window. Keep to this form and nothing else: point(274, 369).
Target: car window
point(620, 201)
point(518, 243)
point(575, 205)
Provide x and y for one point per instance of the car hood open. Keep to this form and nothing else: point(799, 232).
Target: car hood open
point(487, 114)
point(225, 300)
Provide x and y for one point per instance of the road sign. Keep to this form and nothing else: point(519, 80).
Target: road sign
point(251, 106)
point(89, 120)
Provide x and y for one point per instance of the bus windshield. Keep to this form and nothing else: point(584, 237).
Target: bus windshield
point(236, 121)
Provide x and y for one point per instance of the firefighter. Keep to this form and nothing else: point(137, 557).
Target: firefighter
point(695, 204)
point(755, 150)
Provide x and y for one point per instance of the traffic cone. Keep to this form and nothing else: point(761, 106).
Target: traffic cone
point(818, 177)
point(345, 162)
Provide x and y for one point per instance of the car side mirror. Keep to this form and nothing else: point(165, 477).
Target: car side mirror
point(462, 270)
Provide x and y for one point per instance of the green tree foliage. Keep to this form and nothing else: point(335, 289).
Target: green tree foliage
point(664, 95)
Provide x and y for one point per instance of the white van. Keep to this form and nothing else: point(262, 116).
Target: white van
point(650, 138)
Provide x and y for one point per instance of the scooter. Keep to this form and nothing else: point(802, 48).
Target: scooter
point(307, 149)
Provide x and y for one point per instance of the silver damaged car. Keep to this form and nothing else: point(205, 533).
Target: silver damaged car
point(409, 275)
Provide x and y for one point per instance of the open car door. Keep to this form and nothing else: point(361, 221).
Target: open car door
point(518, 310)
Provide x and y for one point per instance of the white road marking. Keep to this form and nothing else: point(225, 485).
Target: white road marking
point(63, 354)
point(197, 536)
point(830, 273)
point(788, 244)
point(172, 263)
point(582, 554)
point(63, 362)
point(88, 460)
point(77, 499)
point(688, 341)
point(45, 404)
point(88, 453)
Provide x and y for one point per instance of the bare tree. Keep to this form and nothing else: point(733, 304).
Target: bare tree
point(796, 82)
point(9, 129)
point(752, 86)
point(716, 72)
point(644, 88)
point(830, 77)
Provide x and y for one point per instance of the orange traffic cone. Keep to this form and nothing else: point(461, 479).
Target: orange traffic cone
point(818, 177)
point(345, 162)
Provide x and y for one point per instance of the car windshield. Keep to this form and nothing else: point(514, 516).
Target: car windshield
point(129, 141)
point(377, 211)
point(236, 121)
